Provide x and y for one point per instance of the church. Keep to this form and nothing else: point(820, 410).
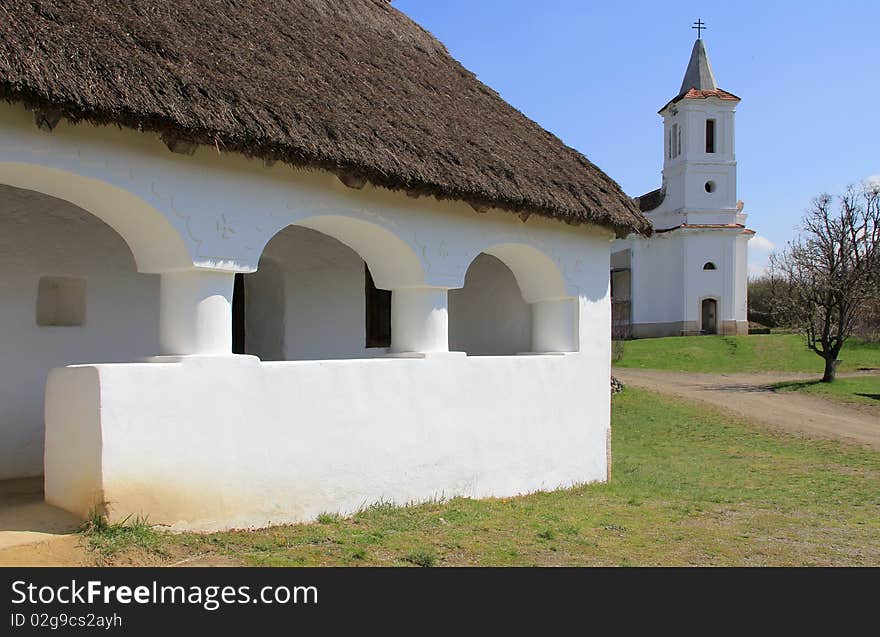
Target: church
point(246, 284)
point(690, 276)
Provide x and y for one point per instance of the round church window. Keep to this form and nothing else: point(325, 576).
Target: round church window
point(710, 186)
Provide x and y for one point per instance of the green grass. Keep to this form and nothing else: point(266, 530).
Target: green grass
point(690, 487)
point(108, 540)
point(755, 353)
point(863, 389)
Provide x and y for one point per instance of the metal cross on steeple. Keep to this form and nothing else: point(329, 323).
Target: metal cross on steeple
point(699, 25)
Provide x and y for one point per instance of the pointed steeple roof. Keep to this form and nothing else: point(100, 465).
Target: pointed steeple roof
point(699, 74)
point(699, 80)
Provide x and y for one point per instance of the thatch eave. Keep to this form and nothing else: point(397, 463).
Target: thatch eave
point(360, 90)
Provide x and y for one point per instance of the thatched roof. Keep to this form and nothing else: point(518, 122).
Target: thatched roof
point(350, 86)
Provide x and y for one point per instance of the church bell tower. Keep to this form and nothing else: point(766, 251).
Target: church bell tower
point(699, 167)
point(691, 275)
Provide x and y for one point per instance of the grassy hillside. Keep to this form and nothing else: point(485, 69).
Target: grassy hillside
point(755, 353)
point(689, 487)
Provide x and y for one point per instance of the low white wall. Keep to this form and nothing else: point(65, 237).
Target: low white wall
point(43, 236)
point(488, 315)
point(282, 442)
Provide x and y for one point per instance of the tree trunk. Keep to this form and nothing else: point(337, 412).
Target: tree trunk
point(830, 370)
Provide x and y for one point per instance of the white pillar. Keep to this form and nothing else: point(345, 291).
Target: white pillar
point(195, 313)
point(419, 320)
point(554, 326)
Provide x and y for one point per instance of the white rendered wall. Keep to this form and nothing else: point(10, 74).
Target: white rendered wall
point(43, 236)
point(720, 248)
point(489, 316)
point(686, 174)
point(741, 280)
point(657, 275)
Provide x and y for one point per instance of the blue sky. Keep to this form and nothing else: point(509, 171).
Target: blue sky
point(595, 74)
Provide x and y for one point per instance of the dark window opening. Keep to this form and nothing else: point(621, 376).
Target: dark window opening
point(710, 135)
point(378, 317)
point(709, 266)
point(238, 304)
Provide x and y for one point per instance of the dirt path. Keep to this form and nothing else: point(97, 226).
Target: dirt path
point(750, 395)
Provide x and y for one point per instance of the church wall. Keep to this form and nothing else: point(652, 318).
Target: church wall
point(741, 291)
point(657, 266)
point(699, 284)
point(727, 283)
point(45, 237)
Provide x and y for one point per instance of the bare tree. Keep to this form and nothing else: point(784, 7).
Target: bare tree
point(824, 277)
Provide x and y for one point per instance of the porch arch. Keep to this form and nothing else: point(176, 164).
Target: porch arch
point(538, 276)
point(392, 262)
point(154, 242)
point(488, 316)
point(70, 294)
point(552, 312)
point(312, 291)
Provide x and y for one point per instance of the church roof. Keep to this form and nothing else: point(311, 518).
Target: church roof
point(350, 86)
point(708, 226)
point(651, 200)
point(699, 73)
point(699, 79)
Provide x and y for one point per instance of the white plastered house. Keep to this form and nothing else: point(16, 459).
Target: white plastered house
point(243, 285)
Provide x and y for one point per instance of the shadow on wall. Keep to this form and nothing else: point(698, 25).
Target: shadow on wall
point(306, 300)
point(69, 294)
point(488, 316)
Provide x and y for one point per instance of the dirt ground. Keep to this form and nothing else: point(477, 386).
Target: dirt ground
point(32, 533)
point(751, 395)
